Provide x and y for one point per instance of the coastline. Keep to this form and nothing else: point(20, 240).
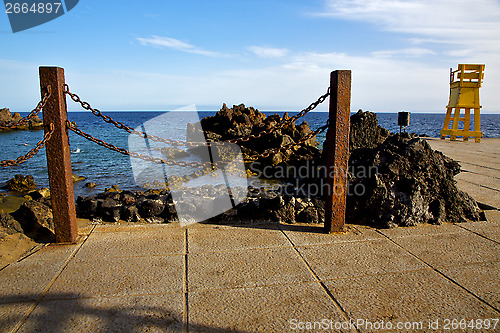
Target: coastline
point(480, 177)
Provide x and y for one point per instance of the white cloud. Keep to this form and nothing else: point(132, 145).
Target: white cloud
point(451, 31)
point(379, 84)
point(268, 52)
point(175, 44)
point(462, 22)
point(413, 52)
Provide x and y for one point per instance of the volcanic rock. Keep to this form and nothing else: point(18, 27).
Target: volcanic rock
point(35, 123)
point(130, 214)
point(5, 115)
point(151, 207)
point(109, 209)
point(34, 216)
point(77, 178)
point(7, 119)
point(308, 215)
point(22, 184)
point(412, 184)
point(365, 132)
point(241, 121)
point(86, 207)
point(10, 224)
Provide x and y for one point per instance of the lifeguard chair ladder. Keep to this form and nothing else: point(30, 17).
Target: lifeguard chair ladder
point(464, 94)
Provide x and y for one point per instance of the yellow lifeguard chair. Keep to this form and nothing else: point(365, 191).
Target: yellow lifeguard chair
point(464, 94)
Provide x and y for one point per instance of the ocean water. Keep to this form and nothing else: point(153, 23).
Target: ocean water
point(106, 167)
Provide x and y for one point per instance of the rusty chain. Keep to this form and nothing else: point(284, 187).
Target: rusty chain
point(33, 112)
point(120, 125)
point(194, 164)
point(210, 166)
point(32, 152)
point(124, 151)
point(207, 165)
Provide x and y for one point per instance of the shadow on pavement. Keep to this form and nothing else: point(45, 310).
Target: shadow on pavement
point(65, 312)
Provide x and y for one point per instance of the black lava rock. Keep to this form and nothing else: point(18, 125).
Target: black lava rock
point(407, 183)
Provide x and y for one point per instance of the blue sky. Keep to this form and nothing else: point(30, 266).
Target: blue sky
point(273, 55)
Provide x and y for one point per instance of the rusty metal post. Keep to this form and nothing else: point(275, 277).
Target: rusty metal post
point(337, 157)
point(58, 156)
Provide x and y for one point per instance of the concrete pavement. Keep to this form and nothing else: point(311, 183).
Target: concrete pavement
point(480, 176)
point(266, 277)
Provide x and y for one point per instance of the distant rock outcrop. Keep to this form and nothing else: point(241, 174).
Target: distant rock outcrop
point(240, 121)
point(9, 121)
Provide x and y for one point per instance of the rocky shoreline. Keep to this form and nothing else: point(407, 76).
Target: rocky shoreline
point(401, 182)
point(394, 180)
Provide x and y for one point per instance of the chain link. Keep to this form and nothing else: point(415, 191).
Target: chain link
point(130, 130)
point(124, 151)
point(194, 164)
point(193, 175)
point(120, 125)
point(97, 113)
point(32, 152)
point(33, 112)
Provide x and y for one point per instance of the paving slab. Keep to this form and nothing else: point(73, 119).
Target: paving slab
point(475, 159)
point(213, 238)
point(11, 314)
point(480, 279)
point(407, 297)
point(492, 183)
point(258, 267)
point(306, 234)
point(160, 313)
point(262, 309)
point(493, 216)
point(26, 280)
point(120, 277)
point(480, 193)
point(138, 242)
point(423, 230)
point(485, 158)
point(53, 252)
point(479, 179)
point(344, 260)
point(479, 169)
point(130, 227)
point(487, 145)
point(489, 229)
point(451, 249)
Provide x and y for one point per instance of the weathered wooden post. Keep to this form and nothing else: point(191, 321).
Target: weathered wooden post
point(337, 150)
point(58, 156)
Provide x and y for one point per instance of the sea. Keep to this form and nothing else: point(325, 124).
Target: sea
point(106, 168)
